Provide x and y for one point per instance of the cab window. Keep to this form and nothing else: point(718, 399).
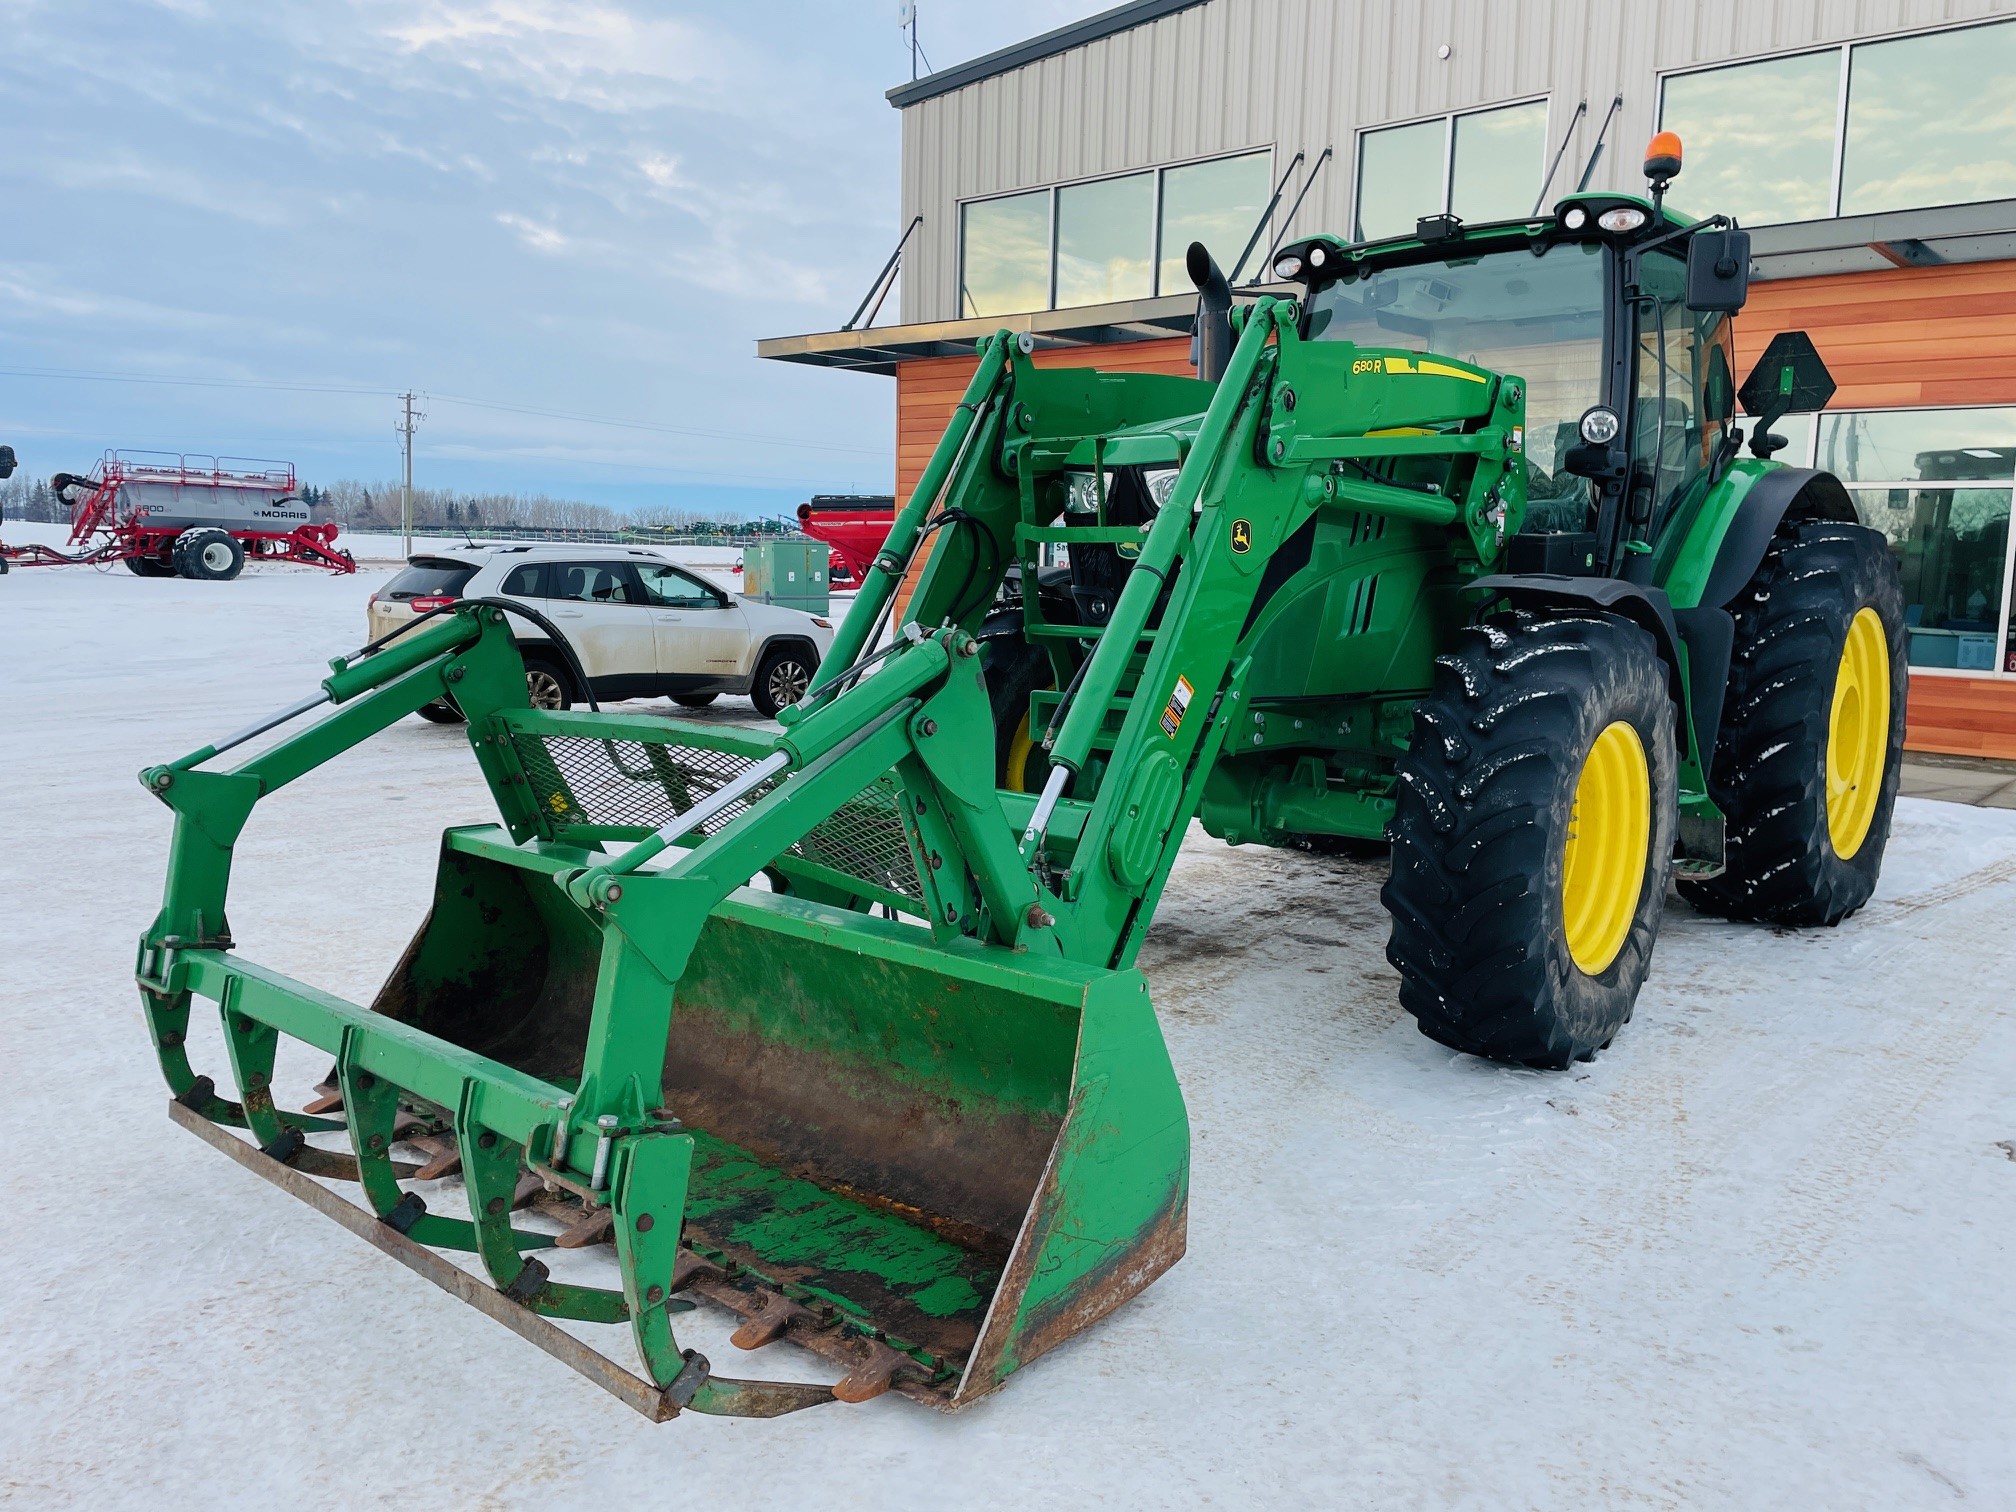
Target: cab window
point(589, 582)
point(1684, 363)
point(669, 588)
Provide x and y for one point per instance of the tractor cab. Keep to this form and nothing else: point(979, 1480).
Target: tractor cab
point(1616, 312)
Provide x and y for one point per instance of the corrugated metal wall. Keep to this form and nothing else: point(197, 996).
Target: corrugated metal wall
point(1306, 74)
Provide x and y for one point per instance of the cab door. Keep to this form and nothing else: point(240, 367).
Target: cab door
point(602, 613)
point(702, 634)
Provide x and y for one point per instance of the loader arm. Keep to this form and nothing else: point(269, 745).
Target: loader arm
point(928, 1146)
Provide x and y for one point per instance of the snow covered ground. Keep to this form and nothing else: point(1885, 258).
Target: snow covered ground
point(1758, 1254)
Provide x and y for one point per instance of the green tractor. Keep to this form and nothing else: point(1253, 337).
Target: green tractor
point(837, 1025)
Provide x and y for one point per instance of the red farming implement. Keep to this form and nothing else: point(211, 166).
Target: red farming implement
point(169, 515)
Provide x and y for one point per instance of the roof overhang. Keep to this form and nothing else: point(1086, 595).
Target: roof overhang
point(1980, 232)
point(881, 351)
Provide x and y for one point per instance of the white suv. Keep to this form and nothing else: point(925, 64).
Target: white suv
point(639, 625)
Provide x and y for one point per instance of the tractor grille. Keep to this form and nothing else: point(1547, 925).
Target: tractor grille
point(579, 780)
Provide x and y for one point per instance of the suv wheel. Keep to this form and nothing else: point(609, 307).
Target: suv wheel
point(546, 685)
point(782, 679)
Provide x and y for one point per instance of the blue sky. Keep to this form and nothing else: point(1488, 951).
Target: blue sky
point(584, 206)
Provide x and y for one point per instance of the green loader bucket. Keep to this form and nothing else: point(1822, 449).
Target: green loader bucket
point(961, 1161)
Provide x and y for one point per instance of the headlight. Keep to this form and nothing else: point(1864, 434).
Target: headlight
point(1600, 426)
point(1289, 266)
point(1082, 495)
point(1161, 483)
point(1576, 218)
point(1623, 218)
point(1318, 257)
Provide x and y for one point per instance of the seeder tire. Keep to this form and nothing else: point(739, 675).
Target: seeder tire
point(1533, 838)
point(209, 556)
point(149, 567)
point(1816, 698)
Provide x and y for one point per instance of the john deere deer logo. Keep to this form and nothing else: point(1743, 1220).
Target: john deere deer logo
point(1242, 536)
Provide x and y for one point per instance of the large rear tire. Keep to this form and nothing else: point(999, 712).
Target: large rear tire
point(1533, 838)
point(1812, 739)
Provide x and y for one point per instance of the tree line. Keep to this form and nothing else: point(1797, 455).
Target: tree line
point(376, 505)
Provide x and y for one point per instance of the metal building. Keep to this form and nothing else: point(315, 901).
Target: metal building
point(1053, 186)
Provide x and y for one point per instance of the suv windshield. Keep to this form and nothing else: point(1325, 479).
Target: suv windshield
point(1539, 317)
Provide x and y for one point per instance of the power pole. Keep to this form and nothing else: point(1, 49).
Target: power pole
point(407, 424)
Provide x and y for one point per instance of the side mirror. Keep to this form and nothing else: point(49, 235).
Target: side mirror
point(7, 462)
point(1789, 379)
point(1718, 270)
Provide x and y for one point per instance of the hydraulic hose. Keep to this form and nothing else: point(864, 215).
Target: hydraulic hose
point(560, 641)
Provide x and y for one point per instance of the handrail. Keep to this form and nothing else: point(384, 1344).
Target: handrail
point(1265, 216)
point(1267, 262)
point(884, 277)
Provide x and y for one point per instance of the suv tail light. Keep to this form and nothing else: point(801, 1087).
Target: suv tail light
point(421, 603)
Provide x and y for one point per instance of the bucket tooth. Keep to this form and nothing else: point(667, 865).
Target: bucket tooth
point(775, 1317)
point(596, 1227)
point(328, 1096)
point(876, 1373)
point(443, 1159)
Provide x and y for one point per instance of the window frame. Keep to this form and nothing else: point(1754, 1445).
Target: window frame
point(1448, 119)
point(1810, 458)
point(1844, 72)
point(1050, 191)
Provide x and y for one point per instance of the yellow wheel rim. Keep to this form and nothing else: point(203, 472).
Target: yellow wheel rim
point(1019, 748)
point(1858, 733)
point(1603, 864)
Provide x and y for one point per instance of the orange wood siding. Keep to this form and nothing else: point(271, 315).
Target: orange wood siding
point(1897, 339)
point(1962, 716)
point(1902, 337)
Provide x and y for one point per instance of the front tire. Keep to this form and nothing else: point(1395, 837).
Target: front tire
point(1015, 670)
point(782, 679)
point(1533, 838)
point(442, 711)
point(1812, 739)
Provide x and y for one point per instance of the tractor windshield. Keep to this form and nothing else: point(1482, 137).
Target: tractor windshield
point(1540, 317)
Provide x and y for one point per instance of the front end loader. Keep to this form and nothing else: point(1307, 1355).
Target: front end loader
point(836, 1025)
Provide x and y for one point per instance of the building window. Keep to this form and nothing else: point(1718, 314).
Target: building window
point(1106, 240)
point(1484, 165)
point(1004, 254)
point(1851, 130)
point(1216, 203)
point(1937, 483)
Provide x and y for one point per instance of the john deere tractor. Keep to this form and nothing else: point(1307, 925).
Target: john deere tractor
point(836, 1025)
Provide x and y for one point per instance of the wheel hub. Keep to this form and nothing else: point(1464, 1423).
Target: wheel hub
point(1603, 863)
point(1858, 733)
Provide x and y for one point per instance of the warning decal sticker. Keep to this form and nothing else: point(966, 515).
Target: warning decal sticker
point(1179, 700)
